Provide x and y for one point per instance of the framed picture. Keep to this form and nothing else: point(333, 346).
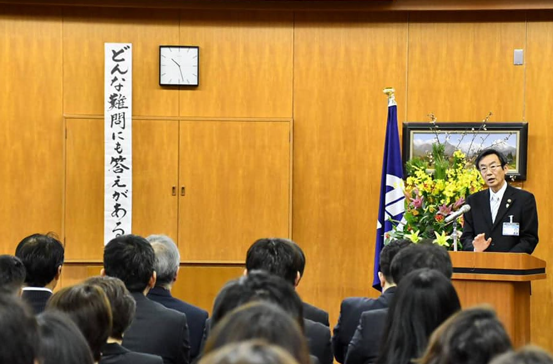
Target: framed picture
point(471, 138)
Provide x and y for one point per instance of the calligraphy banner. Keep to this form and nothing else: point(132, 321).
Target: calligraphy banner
point(118, 140)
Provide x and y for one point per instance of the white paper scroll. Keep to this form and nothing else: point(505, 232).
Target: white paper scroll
point(118, 140)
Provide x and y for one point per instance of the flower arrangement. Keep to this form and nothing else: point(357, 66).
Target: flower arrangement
point(430, 196)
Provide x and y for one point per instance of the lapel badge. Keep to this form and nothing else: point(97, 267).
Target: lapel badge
point(508, 202)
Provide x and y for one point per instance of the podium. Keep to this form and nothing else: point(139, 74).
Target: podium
point(502, 280)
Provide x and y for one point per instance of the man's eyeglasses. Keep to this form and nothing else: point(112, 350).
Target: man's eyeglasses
point(491, 167)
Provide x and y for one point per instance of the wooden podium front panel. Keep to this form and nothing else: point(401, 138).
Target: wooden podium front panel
point(510, 300)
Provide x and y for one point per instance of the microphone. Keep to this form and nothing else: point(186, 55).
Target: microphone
point(456, 214)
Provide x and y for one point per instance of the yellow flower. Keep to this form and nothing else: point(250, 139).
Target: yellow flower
point(459, 154)
point(414, 236)
point(441, 239)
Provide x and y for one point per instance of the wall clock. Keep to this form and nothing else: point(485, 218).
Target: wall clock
point(179, 65)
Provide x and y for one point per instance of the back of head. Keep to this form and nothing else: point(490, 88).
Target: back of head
point(257, 286)
point(61, 342)
point(89, 308)
point(123, 305)
point(42, 255)
point(424, 299)
point(18, 334)
point(416, 256)
point(167, 259)
point(274, 255)
point(300, 257)
point(131, 259)
point(249, 352)
point(260, 320)
point(387, 255)
point(471, 336)
point(12, 274)
point(527, 355)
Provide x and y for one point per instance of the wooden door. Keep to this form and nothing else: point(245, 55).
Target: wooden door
point(155, 155)
point(236, 180)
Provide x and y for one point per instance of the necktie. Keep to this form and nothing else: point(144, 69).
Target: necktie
point(494, 207)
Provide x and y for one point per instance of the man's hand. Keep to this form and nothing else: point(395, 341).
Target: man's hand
point(480, 243)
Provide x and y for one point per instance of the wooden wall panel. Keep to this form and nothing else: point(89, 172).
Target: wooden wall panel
point(538, 101)
point(461, 66)
point(31, 126)
point(154, 207)
point(341, 64)
point(85, 30)
point(245, 64)
point(237, 180)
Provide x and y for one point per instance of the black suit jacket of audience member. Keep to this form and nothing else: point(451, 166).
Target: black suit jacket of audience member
point(114, 353)
point(317, 335)
point(350, 313)
point(318, 339)
point(195, 316)
point(159, 331)
point(313, 313)
point(365, 343)
point(36, 299)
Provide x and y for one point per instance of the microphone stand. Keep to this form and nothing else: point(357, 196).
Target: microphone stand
point(454, 233)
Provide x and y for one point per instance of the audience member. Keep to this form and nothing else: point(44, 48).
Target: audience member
point(472, 336)
point(249, 352)
point(310, 312)
point(19, 334)
point(527, 355)
point(123, 307)
point(42, 256)
point(155, 329)
point(280, 257)
point(61, 341)
point(260, 320)
point(352, 307)
point(12, 275)
point(89, 308)
point(421, 255)
point(167, 268)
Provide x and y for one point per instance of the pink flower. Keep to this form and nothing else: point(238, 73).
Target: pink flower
point(444, 210)
point(416, 202)
point(460, 202)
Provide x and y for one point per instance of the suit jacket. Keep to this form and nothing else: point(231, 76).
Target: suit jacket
point(313, 313)
point(365, 343)
point(318, 340)
point(159, 331)
point(114, 353)
point(36, 299)
point(195, 316)
point(519, 204)
point(350, 313)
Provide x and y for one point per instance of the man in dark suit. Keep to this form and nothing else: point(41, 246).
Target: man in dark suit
point(167, 268)
point(42, 256)
point(365, 343)
point(502, 218)
point(280, 257)
point(155, 329)
point(310, 312)
point(352, 307)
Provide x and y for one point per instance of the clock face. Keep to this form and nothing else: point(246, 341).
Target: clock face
point(179, 65)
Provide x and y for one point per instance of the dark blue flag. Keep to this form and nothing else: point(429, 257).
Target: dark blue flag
point(392, 198)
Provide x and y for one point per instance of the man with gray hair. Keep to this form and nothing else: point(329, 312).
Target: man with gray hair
point(167, 268)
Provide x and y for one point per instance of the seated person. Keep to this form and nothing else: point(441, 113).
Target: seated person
point(527, 355)
point(19, 334)
point(249, 352)
point(12, 275)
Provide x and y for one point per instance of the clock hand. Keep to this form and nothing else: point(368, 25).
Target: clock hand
point(175, 62)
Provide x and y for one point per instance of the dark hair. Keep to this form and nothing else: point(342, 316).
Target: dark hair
point(489, 151)
point(424, 299)
point(88, 307)
point(417, 256)
point(260, 320)
point(257, 286)
point(19, 333)
point(300, 257)
point(123, 305)
point(529, 354)
point(42, 255)
point(61, 341)
point(471, 336)
point(249, 352)
point(388, 253)
point(130, 258)
point(274, 255)
point(12, 274)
